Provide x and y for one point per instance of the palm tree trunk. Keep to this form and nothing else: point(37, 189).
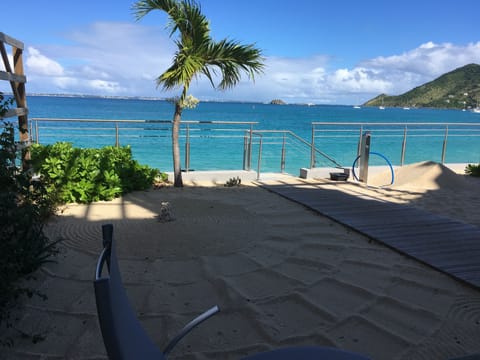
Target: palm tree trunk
point(177, 169)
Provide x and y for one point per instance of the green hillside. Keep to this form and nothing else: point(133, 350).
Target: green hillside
point(457, 89)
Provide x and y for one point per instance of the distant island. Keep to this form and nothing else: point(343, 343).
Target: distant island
point(277, 102)
point(458, 89)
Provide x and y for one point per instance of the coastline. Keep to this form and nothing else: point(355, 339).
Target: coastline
point(231, 101)
point(217, 132)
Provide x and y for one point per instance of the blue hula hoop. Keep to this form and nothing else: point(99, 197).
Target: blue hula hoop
point(378, 154)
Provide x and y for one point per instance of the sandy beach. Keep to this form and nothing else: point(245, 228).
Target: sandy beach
point(281, 274)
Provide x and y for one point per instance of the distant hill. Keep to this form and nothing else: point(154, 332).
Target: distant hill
point(457, 89)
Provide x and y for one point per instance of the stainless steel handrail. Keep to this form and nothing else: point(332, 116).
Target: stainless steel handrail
point(116, 128)
point(273, 142)
point(311, 146)
point(396, 129)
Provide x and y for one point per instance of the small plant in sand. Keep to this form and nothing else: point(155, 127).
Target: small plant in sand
point(473, 170)
point(161, 181)
point(166, 213)
point(233, 182)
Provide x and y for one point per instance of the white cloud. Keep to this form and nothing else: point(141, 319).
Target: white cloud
point(83, 86)
point(429, 59)
point(90, 72)
point(10, 62)
point(358, 80)
point(39, 64)
point(125, 59)
point(5, 86)
point(111, 87)
point(103, 59)
point(294, 78)
point(423, 64)
point(313, 80)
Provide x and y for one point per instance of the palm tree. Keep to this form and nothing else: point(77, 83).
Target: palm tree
point(197, 54)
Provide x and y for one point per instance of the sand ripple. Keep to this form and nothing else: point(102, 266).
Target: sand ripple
point(281, 274)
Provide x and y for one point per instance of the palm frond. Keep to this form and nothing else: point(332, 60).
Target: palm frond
point(143, 7)
point(183, 69)
point(197, 53)
point(233, 58)
point(192, 22)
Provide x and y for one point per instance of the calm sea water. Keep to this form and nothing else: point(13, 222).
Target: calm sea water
point(221, 146)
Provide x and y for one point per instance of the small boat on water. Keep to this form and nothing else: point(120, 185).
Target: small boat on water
point(477, 108)
point(382, 107)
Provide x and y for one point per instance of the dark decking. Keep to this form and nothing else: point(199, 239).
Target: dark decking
point(448, 245)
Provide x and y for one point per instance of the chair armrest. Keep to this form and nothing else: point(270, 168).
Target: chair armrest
point(189, 327)
point(101, 262)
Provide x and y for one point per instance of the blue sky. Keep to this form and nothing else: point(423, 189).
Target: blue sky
point(326, 52)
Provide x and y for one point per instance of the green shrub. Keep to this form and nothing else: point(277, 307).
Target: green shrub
point(24, 205)
point(473, 170)
point(87, 175)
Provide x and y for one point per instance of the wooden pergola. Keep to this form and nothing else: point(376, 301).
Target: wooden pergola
point(16, 76)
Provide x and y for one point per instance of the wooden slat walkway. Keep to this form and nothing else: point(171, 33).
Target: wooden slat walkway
point(445, 244)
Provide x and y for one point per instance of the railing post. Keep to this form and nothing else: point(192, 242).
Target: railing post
point(365, 157)
point(444, 148)
point(259, 163)
point(312, 148)
point(359, 148)
point(117, 139)
point(282, 163)
point(245, 142)
point(404, 146)
point(187, 149)
point(249, 152)
point(36, 132)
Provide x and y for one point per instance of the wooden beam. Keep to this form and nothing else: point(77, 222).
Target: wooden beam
point(13, 77)
point(9, 72)
point(17, 79)
point(15, 112)
point(21, 96)
point(11, 41)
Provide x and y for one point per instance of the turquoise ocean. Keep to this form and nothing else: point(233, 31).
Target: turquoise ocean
point(218, 131)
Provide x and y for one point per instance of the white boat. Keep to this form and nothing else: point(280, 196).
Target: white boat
point(381, 107)
point(357, 105)
point(476, 109)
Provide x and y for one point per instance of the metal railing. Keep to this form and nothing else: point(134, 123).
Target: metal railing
point(286, 139)
point(428, 141)
point(206, 144)
point(150, 140)
point(225, 145)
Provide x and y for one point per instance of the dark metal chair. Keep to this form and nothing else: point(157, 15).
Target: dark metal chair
point(125, 338)
point(123, 335)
